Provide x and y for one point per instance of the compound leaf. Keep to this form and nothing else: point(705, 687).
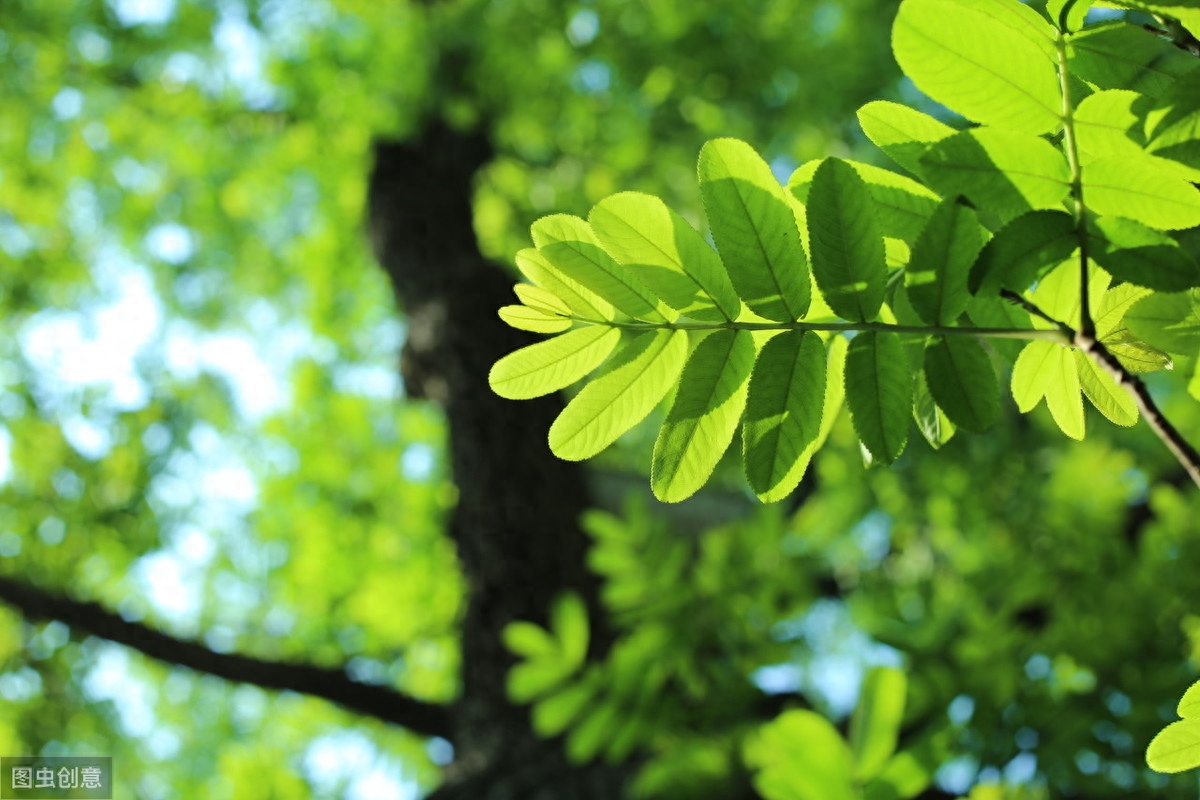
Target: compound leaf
point(577, 297)
point(533, 319)
point(1120, 55)
point(1116, 404)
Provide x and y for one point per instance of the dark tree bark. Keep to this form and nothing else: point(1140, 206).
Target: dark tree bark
point(516, 523)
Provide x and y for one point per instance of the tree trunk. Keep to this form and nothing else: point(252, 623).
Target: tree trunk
point(516, 522)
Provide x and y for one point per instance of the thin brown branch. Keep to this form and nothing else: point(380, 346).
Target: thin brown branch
point(330, 684)
point(1183, 451)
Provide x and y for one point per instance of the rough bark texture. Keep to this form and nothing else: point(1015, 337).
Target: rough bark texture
point(516, 521)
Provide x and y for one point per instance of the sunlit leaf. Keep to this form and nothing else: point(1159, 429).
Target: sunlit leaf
point(1142, 256)
point(569, 244)
point(554, 364)
point(1141, 190)
point(666, 253)
point(755, 230)
point(904, 133)
point(1115, 403)
point(703, 418)
point(999, 171)
point(1121, 55)
point(991, 70)
point(628, 388)
point(577, 297)
point(1176, 747)
point(1024, 250)
point(531, 319)
point(875, 724)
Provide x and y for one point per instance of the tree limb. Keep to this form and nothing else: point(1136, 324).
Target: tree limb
point(332, 684)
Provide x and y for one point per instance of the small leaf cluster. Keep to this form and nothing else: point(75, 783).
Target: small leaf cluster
point(858, 285)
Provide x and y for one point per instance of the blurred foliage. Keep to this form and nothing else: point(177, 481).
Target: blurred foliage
point(198, 405)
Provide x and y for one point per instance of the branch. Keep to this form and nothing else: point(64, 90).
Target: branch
point(1168, 433)
point(388, 705)
point(1095, 350)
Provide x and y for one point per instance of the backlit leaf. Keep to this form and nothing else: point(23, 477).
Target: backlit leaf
point(1116, 404)
point(703, 418)
point(1120, 55)
point(783, 411)
point(630, 385)
point(875, 724)
point(666, 253)
point(902, 132)
point(755, 230)
point(1167, 321)
point(879, 393)
point(554, 364)
point(999, 171)
point(962, 381)
point(531, 319)
point(582, 301)
point(846, 245)
point(1142, 256)
point(1141, 190)
point(988, 71)
point(936, 277)
point(569, 244)
point(1176, 747)
point(1024, 250)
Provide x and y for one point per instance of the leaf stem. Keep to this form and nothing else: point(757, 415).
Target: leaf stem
point(1078, 210)
point(1059, 336)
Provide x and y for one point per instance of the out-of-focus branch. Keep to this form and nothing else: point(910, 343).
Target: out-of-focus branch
point(331, 684)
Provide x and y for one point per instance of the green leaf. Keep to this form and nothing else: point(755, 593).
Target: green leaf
point(933, 423)
point(1176, 747)
point(1134, 354)
point(531, 679)
point(962, 381)
point(755, 230)
point(1141, 190)
point(529, 641)
point(596, 729)
point(992, 312)
point(541, 299)
point(1185, 11)
point(999, 171)
point(1120, 55)
point(936, 277)
point(582, 301)
point(1107, 125)
point(1189, 704)
point(879, 393)
point(783, 412)
point(704, 416)
point(552, 715)
point(630, 385)
point(875, 724)
point(1048, 370)
point(667, 254)
point(1116, 404)
point(531, 319)
point(902, 205)
point(902, 132)
point(1173, 125)
point(846, 245)
point(799, 756)
point(568, 243)
point(1142, 256)
point(554, 364)
point(569, 622)
point(1167, 321)
point(991, 70)
point(1024, 250)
